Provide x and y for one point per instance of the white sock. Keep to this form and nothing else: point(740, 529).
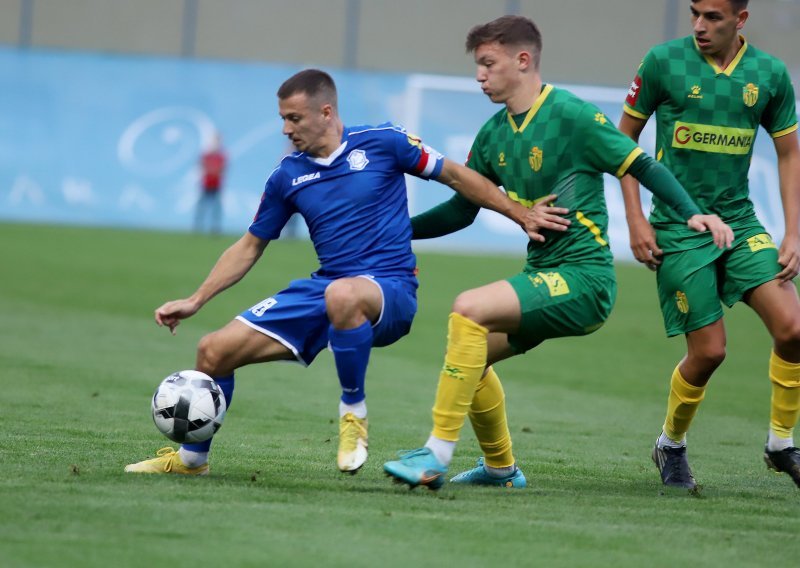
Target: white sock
point(192, 459)
point(359, 409)
point(500, 471)
point(442, 449)
point(776, 443)
point(666, 442)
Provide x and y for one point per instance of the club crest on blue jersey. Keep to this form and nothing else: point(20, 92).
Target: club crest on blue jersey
point(357, 160)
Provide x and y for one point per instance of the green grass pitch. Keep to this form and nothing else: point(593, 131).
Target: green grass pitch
point(80, 357)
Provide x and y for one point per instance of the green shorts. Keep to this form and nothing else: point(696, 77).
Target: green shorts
point(692, 283)
point(570, 300)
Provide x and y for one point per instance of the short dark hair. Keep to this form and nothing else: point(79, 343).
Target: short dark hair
point(507, 30)
point(314, 83)
point(737, 5)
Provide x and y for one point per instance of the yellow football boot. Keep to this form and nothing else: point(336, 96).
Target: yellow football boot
point(352, 443)
point(167, 461)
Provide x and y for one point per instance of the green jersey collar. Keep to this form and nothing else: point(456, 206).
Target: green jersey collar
point(537, 104)
point(731, 66)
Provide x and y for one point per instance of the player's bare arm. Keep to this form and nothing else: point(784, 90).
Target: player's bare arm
point(788, 151)
point(481, 191)
point(544, 215)
point(231, 267)
point(642, 236)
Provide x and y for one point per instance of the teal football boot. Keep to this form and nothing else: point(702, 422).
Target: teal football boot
point(417, 467)
point(479, 476)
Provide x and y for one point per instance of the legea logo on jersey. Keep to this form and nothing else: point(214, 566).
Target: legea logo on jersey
point(750, 94)
point(716, 139)
point(357, 160)
point(694, 92)
point(305, 178)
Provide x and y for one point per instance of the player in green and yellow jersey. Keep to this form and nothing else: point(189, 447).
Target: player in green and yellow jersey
point(549, 150)
point(710, 92)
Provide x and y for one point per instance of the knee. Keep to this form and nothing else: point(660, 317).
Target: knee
point(787, 337)
point(709, 358)
point(209, 355)
point(465, 305)
point(340, 297)
point(344, 305)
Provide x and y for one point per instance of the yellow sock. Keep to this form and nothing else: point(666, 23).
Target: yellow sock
point(785, 407)
point(488, 417)
point(681, 406)
point(463, 367)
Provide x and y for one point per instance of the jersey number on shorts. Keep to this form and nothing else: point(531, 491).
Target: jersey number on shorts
point(261, 307)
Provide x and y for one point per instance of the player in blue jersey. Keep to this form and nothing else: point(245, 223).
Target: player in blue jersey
point(348, 183)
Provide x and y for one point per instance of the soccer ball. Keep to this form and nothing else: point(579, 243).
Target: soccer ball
point(188, 407)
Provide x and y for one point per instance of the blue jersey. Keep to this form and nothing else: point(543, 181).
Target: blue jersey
point(354, 201)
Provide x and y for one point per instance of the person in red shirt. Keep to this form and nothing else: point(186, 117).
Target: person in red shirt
point(212, 174)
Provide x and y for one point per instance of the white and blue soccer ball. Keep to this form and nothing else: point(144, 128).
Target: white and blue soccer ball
point(188, 407)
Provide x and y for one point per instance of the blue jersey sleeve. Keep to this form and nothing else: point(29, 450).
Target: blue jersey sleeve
point(273, 211)
point(416, 158)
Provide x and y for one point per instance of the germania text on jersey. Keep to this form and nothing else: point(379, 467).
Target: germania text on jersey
point(717, 139)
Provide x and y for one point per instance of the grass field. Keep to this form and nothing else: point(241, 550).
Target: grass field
point(80, 357)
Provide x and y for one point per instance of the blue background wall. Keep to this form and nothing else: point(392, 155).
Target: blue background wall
point(113, 140)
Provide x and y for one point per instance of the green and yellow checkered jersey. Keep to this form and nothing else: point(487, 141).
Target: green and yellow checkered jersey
point(706, 123)
point(562, 146)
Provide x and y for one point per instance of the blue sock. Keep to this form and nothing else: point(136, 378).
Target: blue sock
point(226, 384)
point(351, 349)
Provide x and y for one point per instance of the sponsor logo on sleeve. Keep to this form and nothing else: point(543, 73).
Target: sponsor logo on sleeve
point(415, 140)
point(633, 91)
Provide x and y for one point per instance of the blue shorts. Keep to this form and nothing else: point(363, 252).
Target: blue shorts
point(296, 316)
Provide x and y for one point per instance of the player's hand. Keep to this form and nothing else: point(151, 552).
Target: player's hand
point(171, 313)
point(545, 215)
point(643, 242)
point(720, 232)
point(789, 258)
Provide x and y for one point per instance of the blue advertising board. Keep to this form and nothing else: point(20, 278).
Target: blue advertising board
point(113, 140)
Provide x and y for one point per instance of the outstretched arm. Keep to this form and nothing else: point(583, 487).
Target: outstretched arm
point(231, 267)
point(788, 150)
